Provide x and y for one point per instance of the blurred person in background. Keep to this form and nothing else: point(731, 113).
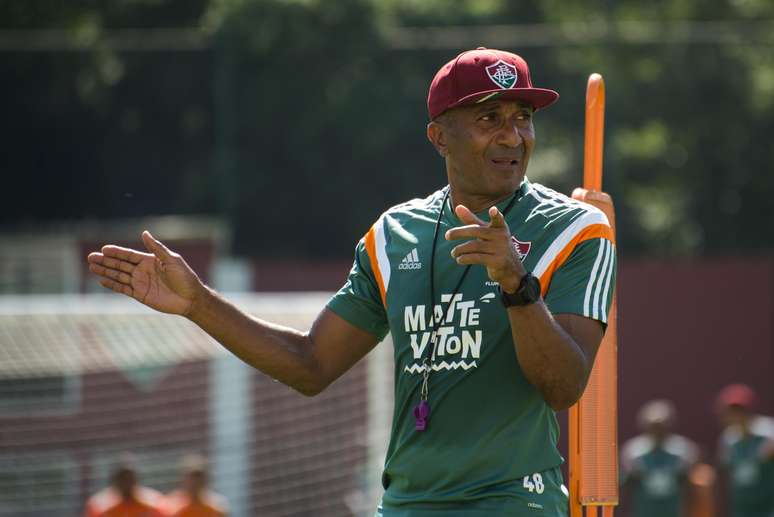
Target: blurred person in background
point(746, 452)
point(194, 498)
point(655, 464)
point(125, 497)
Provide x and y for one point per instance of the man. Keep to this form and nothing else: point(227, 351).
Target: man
point(496, 292)
point(125, 497)
point(194, 499)
point(746, 452)
point(655, 465)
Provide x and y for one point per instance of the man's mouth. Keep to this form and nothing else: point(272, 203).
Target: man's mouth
point(505, 163)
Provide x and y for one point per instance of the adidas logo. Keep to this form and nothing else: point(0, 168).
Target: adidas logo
point(410, 261)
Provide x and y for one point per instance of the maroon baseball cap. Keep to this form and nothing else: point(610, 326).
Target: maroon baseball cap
point(483, 74)
point(740, 395)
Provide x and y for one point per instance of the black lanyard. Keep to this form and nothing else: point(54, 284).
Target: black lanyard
point(422, 410)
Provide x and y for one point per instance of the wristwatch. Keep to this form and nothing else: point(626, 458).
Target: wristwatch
point(527, 293)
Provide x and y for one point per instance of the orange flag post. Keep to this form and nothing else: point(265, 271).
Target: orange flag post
point(593, 421)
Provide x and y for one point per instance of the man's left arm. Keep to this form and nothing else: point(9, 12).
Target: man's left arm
point(555, 353)
point(556, 346)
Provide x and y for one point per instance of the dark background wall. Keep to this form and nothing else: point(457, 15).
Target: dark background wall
point(688, 328)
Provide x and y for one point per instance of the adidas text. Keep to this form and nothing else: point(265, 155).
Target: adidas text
point(410, 261)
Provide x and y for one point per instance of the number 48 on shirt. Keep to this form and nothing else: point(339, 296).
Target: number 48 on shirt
point(534, 483)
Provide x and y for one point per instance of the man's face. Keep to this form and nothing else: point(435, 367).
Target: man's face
point(125, 481)
point(194, 482)
point(487, 146)
point(657, 429)
point(734, 415)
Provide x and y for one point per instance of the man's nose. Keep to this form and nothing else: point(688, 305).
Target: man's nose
point(509, 135)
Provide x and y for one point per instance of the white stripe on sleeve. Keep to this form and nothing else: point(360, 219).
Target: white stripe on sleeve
point(593, 276)
point(381, 252)
point(600, 279)
point(608, 281)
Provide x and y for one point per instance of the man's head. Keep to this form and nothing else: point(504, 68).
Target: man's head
point(194, 470)
point(124, 477)
point(734, 405)
point(656, 418)
point(481, 105)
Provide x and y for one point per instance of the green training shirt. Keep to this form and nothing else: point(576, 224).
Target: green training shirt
point(489, 427)
point(751, 477)
point(658, 474)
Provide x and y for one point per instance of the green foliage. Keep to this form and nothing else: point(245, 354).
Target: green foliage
point(316, 132)
point(301, 122)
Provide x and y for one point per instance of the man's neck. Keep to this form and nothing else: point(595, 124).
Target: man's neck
point(476, 202)
point(195, 496)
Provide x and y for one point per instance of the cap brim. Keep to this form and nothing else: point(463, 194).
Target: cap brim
point(539, 98)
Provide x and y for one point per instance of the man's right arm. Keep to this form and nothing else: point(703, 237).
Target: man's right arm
point(306, 361)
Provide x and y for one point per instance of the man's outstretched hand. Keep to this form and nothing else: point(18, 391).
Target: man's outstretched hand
point(160, 279)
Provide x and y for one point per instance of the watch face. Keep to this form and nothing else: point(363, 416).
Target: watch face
point(532, 288)
point(527, 294)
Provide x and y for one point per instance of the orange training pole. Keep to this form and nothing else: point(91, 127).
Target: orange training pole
point(593, 451)
point(595, 133)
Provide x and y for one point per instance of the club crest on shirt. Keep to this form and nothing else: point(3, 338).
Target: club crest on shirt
point(522, 248)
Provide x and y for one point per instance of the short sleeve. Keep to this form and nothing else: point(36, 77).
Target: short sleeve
point(359, 301)
point(585, 283)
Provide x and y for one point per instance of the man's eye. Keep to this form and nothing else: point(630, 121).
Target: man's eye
point(488, 117)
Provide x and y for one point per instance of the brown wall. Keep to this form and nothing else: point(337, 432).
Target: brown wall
point(687, 328)
point(289, 275)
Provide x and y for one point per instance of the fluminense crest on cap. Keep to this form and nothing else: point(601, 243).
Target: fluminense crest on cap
point(502, 74)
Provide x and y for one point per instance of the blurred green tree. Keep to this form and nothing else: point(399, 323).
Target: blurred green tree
point(301, 120)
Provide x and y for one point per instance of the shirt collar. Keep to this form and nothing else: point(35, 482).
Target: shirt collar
point(522, 191)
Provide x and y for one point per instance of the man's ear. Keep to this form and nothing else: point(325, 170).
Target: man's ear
point(436, 133)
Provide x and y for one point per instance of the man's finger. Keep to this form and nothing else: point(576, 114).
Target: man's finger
point(116, 286)
point(113, 274)
point(497, 219)
point(484, 259)
point(95, 257)
point(121, 253)
point(120, 265)
point(475, 246)
point(468, 217)
point(472, 231)
point(155, 246)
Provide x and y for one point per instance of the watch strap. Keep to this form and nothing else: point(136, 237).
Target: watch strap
point(527, 293)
